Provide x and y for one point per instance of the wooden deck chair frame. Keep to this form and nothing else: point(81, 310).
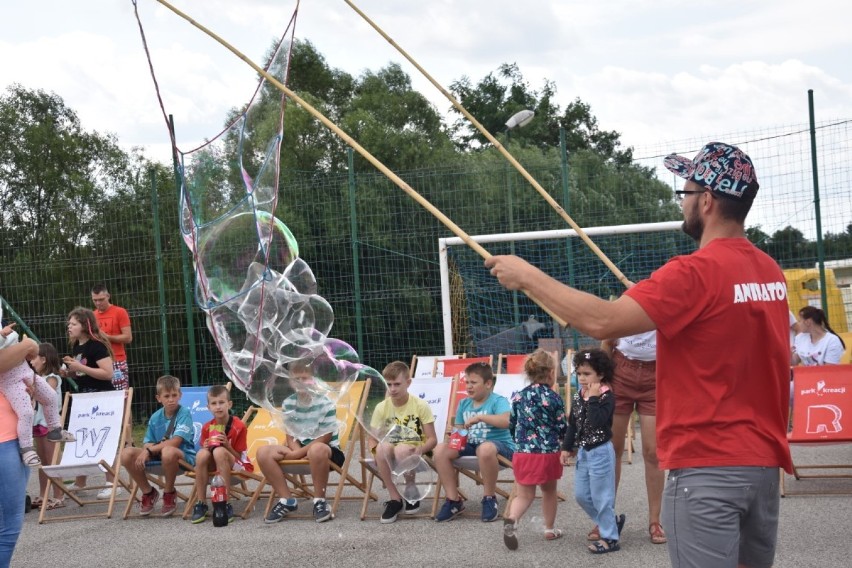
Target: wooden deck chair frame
point(469, 465)
point(239, 479)
point(822, 416)
point(185, 480)
point(439, 392)
point(83, 431)
point(432, 362)
point(511, 363)
point(297, 472)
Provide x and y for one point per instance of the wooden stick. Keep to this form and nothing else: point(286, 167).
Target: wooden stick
point(358, 148)
point(553, 203)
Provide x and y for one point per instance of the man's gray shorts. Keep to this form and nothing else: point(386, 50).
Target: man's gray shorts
point(721, 516)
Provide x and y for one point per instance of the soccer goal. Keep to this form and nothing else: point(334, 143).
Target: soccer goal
point(481, 317)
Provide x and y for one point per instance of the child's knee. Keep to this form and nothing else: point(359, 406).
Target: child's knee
point(486, 450)
point(319, 451)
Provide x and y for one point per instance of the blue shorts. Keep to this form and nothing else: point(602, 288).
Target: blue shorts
point(503, 449)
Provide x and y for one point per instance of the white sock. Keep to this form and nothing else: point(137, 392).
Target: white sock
point(318, 499)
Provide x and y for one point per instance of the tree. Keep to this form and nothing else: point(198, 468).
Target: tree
point(54, 174)
point(498, 96)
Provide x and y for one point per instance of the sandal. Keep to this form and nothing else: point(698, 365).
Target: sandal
point(599, 548)
point(36, 503)
point(30, 457)
point(510, 536)
point(552, 534)
point(594, 534)
point(658, 536)
point(55, 503)
point(619, 523)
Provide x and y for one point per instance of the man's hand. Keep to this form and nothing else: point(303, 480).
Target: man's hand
point(511, 271)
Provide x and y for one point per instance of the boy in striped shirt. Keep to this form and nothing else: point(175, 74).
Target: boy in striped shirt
point(310, 418)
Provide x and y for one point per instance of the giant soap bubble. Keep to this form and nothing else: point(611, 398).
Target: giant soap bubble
point(261, 299)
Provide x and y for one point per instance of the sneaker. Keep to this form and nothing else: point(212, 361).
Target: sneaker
point(489, 509)
point(449, 510)
point(106, 492)
point(412, 508)
point(510, 534)
point(169, 504)
point(229, 510)
point(322, 512)
point(391, 512)
point(148, 501)
point(199, 513)
point(281, 510)
point(60, 435)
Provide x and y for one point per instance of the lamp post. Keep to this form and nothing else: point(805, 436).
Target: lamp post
point(517, 120)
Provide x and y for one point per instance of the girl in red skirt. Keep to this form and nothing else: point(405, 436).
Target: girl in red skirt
point(538, 424)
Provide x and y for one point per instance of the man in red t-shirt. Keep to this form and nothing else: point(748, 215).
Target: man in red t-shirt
point(115, 324)
point(721, 317)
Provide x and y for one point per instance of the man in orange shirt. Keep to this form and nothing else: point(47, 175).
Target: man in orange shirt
point(115, 324)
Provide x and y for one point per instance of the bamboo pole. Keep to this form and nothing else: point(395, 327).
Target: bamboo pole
point(358, 148)
point(552, 202)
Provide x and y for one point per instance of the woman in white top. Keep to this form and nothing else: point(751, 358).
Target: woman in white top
point(817, 344)
point(635, 387)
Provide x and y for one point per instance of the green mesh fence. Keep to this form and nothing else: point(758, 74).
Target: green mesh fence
point(497, 321)
point(390, 307)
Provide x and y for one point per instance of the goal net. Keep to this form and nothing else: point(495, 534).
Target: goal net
point(481, 317)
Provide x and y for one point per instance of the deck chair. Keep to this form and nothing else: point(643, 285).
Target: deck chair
point(505, 385)
point(263, 430)
point(454, 370)
point(511, 364)
point(350, 405)
point(262, 421)
point(195, 399)
point(437, 392)
point(428, 366)
point(822, 416)
point(99, 421)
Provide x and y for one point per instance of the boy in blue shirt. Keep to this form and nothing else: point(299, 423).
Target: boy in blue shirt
point(485, 415)
point(168, 439)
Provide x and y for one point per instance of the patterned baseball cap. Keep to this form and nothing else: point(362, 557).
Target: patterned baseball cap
point(723, 169)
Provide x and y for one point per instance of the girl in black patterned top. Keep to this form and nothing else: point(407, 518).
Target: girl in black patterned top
point(589, 437)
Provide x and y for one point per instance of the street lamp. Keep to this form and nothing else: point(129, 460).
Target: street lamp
point(520, 119)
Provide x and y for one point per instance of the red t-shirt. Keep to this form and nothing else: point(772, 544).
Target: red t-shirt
point(723, 357)
point(237, 438)
point(111, 321)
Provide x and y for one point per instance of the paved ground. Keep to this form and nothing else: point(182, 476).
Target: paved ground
point(814, 531)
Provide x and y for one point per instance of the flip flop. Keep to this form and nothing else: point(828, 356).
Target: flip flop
point(658, 536)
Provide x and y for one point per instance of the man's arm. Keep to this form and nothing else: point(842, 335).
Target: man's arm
point(584, 312)
point(125, 337)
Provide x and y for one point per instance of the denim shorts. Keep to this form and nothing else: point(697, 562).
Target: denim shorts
point(503, 449)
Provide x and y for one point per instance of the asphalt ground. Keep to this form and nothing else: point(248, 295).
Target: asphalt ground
point(813, 531)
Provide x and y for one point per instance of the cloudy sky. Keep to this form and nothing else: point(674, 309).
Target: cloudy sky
point(650, 69)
